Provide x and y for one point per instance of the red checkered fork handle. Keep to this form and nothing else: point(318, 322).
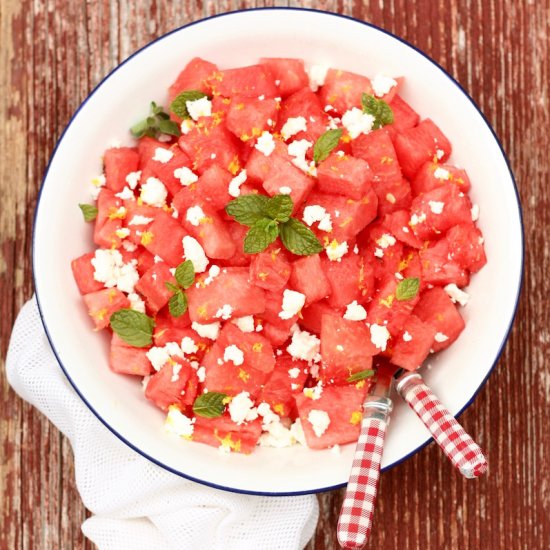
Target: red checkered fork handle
point(460, 448)
point(355, 520)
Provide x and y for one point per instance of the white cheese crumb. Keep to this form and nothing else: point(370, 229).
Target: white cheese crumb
point(317, 75)
point(234, 354)
point(132, 179)
point(136, 303)
point(125, 194)
point(188, 345)
point(319, 421)
point(293, 126)
point(378, 252)
point(185, 176)
point(475, 212)
point(245, 324)
point(316, 213)
point(186, 126)
point(213, 272)
point(110, 269)
point(356, 122)
point(304, 346)
point(456, 294)
point(163, 155)
point(298, 150)
point(179, 424)
point(381, 85)
point(439, 153)
point(390, 197)
point(195, 215)
point(157, 259)
point(294, 373)
point(314, 393)
point(440, 337)
point(210, 331)
point(415, 219)
point(436, 206)
point(158, 356)
point(193, 251)
point(407, 336)
point(241, 409)
point(265, 143)
point(175, 372)
point(355, 312)
point(293, 302)
point(153, 192)
point(97, 183)
point(140, 220)
point(386, 240)
point(234, 188)
point(122, 233)
point(297, 432)
point(285, 190)
point(199, 107)
point(379, 336)
point(441, 173)
point(224, 312)
point(129, 246)
point(335, 250)
point(201, 374)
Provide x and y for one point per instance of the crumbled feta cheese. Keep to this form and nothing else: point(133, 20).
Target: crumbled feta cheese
point(234, 354)
point(129, 246)
point(125, 194)
point(186, 126)
point(153, 192)
point(293, 126)
point(241, 409)
point(110, 269)
point(416, 219)
point(158, 356)
point(456, 294)
point(356, 122)
point(265, 143)
point(440, 337)
point(339, 347)
point(475, 212)
point(185, 176)
point(163, 155)
point(132, 179)
point(328, 108)
point(224, 312)
point(175, 372)
point(441, 173)
point(188, 345)
point(335, 250)
point(157, 259)
point(97, 183)
point(179, 424)
point(390, 197)
point(304, 346)
point(355, 312)
point(333, 123)
point(195, 215)
point(213, 156)
point(407, 336)
point(379, 336)
point(381, 85)
point(293, 302)
point(234, 188)
point(213, 272)
point(294, 372)
point(285, 190)
point(136, 302)
point(386, 240)
point(199, 107)
point(439, 153)
point(436, 206)
point(193, 251)
point(298, 150)
point(314, 393)
point(122, 233)
point(210, 331)
point(317, 75)
point(297, 432)
point(140, 220)
point(201, 374)
point(319, 421)
point(316, 213)
point(245, 324)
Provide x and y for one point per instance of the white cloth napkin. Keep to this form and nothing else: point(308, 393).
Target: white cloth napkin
point(136, 504)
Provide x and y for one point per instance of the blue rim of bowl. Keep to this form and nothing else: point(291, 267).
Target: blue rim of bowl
point(225, 14)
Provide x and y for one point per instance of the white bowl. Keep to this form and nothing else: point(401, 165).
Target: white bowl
point(233, 40)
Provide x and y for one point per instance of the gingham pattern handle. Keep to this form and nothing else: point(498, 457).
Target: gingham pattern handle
point(355, 520)
point(458, 446)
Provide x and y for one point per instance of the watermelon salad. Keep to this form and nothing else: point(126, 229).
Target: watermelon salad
point(273, 235)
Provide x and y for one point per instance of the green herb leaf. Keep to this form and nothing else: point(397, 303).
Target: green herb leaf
point(169, 127)
point(134, 327)
point(177, 304)
point(377, 108)
point(298, 238)
point(185, 274)
point(361, 375)
point(260, 236)
point(179, 105)
point(407, 288)
point(279, 207)
point(139, 129)
point(248, 209)
point(210, 405)
point(89, 211)
point(171, 286)
point(157, 122)
point(325, 144)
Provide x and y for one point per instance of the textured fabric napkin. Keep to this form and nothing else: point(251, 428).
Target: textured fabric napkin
point(136, 504)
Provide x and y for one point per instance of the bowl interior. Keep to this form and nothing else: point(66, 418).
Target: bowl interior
point(233, 40)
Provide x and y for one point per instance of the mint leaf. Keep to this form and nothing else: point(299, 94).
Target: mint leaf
point(169, 127)
point(177, 304)
point(298, 238)
point(158, 122)
point(361, 375)
point(260, 236)
point(134, 327)
point(171, 286)
point(248, 209)
point(185, 274)
point(325, 144)
point(210, 405)
point(89, 211)
point(407, 288)
point(377, 108)
point(179, 104)
point(279, 207)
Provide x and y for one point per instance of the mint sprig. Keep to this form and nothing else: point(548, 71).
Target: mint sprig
point(89, 211)
point(179, 104)
point(269, 218)
point(377, 108)
point(361, 375)
point(134, 327)
point(158, 122)
point(210, 405)
point(185, 277)
point(325, 144)
point(407, 288)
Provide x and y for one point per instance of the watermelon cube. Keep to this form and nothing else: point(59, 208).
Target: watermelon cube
point(289, 74)
point(313, 314)
point(466, 246)
point(153, 288)
point(413, 345)
point(83, 273)
point(252, 81)
point(212, 187)
point(198, 74)
point(404, 116)
point(308, 278)
point(164, 238)
point(343, 90)
point(439, 268)
point(248, 117)
point(103, 303)
point(433, 174)
point(271, 269)
point(344, 175)
point(126, 359)
point(109, 219)
point(119, 162)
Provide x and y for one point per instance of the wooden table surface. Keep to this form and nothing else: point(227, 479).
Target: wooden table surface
point(53, 52)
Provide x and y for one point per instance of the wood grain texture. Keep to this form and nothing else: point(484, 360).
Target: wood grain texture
point(53, 53)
